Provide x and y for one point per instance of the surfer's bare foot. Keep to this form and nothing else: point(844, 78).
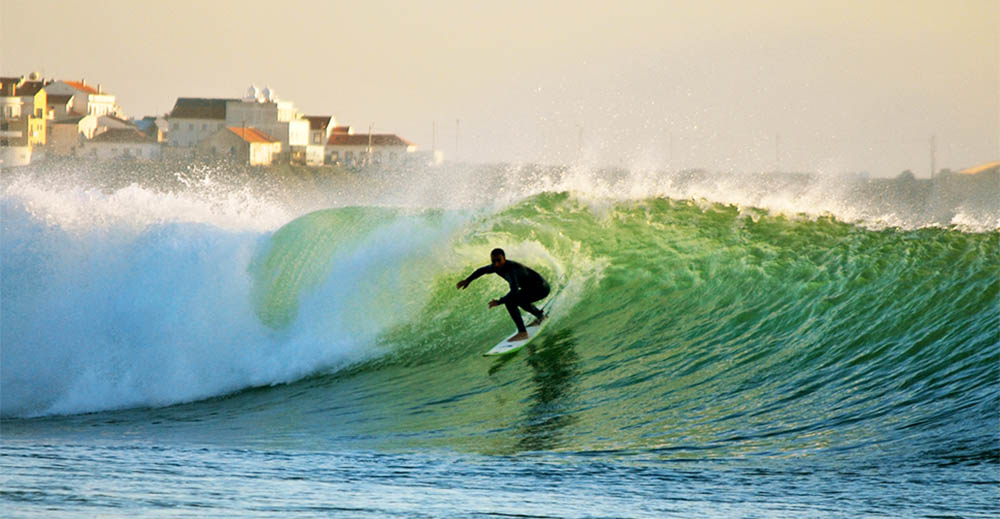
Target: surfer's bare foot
point(537, 321)
point(520, 336)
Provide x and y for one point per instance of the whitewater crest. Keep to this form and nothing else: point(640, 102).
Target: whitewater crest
point(75, 204)
point(140, 295)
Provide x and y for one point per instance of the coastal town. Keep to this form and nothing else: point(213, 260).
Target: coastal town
point(46, 118)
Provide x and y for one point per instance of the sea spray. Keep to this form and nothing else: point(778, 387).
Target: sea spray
point(145, 296)
point(120, 313)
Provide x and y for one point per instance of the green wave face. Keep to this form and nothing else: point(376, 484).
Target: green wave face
point(297, 257)
point(680, 328)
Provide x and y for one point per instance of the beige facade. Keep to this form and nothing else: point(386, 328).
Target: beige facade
point(363, 150)
point(245, 145)
point(60, 107)
point(315, 155)
point(194, 119)
point(87, 99)
point(66, 136)
point(190, 132)
point(121, 143)
point(279, 120)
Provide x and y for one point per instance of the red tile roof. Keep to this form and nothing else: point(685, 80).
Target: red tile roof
point(382, 139)
point(81, 87)
point(251, 134)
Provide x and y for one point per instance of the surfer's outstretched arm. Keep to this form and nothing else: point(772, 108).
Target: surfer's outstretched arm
point(488, 269)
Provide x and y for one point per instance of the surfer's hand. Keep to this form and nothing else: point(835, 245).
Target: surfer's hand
point(462, 284)
point(494, 303)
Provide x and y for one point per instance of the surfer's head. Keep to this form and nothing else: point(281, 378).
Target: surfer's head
point(498, 258)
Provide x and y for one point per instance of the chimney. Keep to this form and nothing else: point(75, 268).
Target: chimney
point(99, 89)
point(83, 81)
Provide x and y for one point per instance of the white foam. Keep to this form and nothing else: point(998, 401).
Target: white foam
point(136, 296)
point(119, 315)
point(63, 203)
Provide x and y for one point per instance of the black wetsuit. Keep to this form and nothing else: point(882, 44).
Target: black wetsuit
point(526, 287)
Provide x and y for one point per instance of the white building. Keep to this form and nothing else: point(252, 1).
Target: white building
point(263, 110)
point(245, 144)
point(87, 99)
point(360, 150)
point(195, 119)
point(60, 106)
point(67, 135)
point(121, 143)
point(11, 106)
point(110, 122)
point(320, 129)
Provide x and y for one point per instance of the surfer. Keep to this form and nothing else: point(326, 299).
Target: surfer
point(526, 287)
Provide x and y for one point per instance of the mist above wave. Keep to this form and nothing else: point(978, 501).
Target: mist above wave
point(241, 197)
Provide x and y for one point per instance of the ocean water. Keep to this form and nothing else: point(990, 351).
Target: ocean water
point(720, 346)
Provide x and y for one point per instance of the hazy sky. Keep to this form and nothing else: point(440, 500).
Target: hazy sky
point(841, 85)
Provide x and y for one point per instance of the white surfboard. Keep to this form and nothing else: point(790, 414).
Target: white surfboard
point(506, 346)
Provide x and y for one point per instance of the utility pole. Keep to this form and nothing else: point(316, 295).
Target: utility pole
point(670, 159)
point(370, 127)
point(933, 152)
point(457, 122)
point(777, 152)
point(434, 136)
